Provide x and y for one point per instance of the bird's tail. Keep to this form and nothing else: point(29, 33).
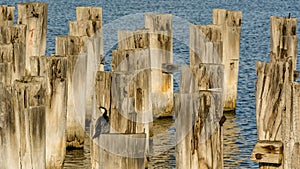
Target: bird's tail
point(96, 135)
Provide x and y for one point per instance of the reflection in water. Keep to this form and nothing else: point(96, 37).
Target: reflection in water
point(232, 152)
point(163, 155)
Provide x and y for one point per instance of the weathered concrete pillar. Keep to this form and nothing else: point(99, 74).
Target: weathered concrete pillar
point(7, 15)
point(35, 16)
point(122, 151)
point(199, 112)
point(230, 22)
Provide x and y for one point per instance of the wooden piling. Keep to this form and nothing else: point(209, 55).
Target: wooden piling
point(230, 22)
point(56, 109)
point(125, 151)
point(6, 15)
point(103, 98)
point(6, 112)
point(35, 16)
point(159, 43)
point(24, 128)
point(89, 24)
point(13, 47)
point(277, 119)
point(54, 69)
point(205, 44)
point(73, 47)
point(284, 41)
point(199, 110)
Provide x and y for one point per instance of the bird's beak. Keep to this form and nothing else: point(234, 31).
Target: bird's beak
point(102, 110)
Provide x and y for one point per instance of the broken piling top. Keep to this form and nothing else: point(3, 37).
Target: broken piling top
point(206, 44)
point(284, 41)
point(35, 16)
point(6, 15)
point(89, 13)
point(227, 17)
point(159, 22)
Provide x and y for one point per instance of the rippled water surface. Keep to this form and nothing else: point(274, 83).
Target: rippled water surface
point(240, 129)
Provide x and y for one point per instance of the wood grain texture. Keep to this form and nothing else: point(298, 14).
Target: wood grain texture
point(35, 16)
point(7, 15)
point(267, 152)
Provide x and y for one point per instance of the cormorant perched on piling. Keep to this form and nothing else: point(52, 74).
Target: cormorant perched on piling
point(102, 124)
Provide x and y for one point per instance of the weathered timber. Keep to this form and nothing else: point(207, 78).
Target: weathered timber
point(94, 48)
point(7, 139)
point(122, 151)
point(70, 45)
point(283, 39)
point(76, 105)
point(160, 52)
point(6, 15)
point(93, 30)
point(278, 118)
point(161, 45)
point(268, 152)
point(6, 73)
point(169, 68)
point(270, 99)
point(199, 109)
point(230, 22)
point(89, 13)
point(54, 69)
point(33, 138)
point(205, 44)
point(13, 48)
point(103, 98)
point(25, 124)
point(75, 49)
point(122, 101)
point(35, 16)
point(56, 110)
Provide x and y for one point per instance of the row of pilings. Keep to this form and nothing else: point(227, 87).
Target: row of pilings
point(45, 100)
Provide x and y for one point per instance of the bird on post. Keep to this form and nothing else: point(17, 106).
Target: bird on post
point(102, 124)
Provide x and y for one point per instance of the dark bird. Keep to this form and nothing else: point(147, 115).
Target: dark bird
point(102, 124)
point(289, 15)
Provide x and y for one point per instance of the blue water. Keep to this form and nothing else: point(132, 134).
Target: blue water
point(240, 129)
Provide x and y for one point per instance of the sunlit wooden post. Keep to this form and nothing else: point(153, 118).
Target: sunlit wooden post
point(54, 69)
point(24, 126)
point(7, 15)
point(73, 48)
point(35, 16)
point(161, 46)
point(199, 117)
point(89, 23)
point(126, 151)
point(102, 98)
point(277, 100)
point(230, 22)
point(13, 47)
